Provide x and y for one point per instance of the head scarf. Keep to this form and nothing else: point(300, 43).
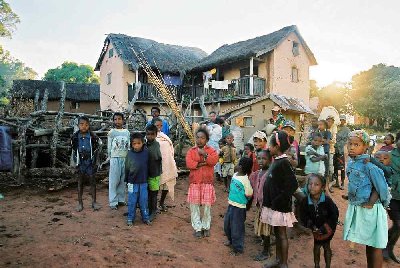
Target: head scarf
point(361, 134)
point(260, 135)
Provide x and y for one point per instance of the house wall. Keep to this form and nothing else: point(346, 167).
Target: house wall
point(281, 69)
point(69, 106)
point(115, 94)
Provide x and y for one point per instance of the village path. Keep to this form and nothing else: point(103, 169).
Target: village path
point(43, 230)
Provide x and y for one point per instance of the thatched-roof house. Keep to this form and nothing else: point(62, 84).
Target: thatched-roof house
point(119, 66)
point(274, 63)
point(80, 98)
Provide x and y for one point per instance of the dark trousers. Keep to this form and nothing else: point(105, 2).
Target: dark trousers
point(234, 227)
point(152, 201)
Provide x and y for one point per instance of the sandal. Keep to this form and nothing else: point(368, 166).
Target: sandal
point(163, 208)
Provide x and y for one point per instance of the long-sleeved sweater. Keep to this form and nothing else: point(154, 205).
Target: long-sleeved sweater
point(136, 166)
point(154, 159)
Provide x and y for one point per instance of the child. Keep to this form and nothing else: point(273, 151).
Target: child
point(200, 160)
point(228, 152)
point(257, 180)
point(117, 149)
point(320, 214)
point(136, 176)
point(169, 169)
point(279, 187)
point(388, 141)
point(154, 168)
point(221, 144)
point(85, 148)
point(394, 212)
point(315, 156)
point(326, 138)
point(235, 216)
point(366, 220)
point(260, 143)
point(248, 150)
point(293, 152)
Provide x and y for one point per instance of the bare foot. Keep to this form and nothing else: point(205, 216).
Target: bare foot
point(79, 208)
point(96, 206)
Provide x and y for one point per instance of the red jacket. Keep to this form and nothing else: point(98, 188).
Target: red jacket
point(204, 174)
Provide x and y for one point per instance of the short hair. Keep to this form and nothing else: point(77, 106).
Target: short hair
point(390, 136)
point(267, 152)
point(152, 128)
point(314, 175)
point(247, 164)
point(136, 135)
point(202, 130)
point(83, 118)
point(281, 138)
point(222, 141)
point(212, 112)
point(155, 108)
point(251, 146)
point(219, 120)
point(118, 114)
point(316, 135)
point(157, 119)
point(229, 135)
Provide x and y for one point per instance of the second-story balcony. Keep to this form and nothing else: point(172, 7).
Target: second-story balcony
point(238, 88)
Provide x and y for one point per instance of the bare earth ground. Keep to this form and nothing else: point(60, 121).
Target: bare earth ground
point(43, 230)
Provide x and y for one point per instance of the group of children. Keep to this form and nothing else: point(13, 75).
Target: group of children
point(142, 164)
point(265, 178)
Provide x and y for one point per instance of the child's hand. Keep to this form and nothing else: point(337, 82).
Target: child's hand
point(201, 151)
point(201, 164)
point(367, 205)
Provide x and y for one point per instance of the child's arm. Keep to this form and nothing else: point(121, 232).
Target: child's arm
point(372, 199)
point(109, 141)
point(212, 158)
point(289, 186)
point(191, 160)
point(380, 187)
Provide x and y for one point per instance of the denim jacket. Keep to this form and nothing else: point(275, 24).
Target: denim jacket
point(362, 178)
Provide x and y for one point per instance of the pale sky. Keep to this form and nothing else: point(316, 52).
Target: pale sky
point(346, 36)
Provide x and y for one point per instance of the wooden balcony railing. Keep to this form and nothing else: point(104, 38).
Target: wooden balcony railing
point(238, 88)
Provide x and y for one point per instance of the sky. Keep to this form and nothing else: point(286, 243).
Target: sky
point(346, 36)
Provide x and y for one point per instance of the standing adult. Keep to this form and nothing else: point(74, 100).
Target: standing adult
point(277, 118)
point(169, 169)
point(215, 131)
point(330, 120)
point(155, 113)
point(339, 156)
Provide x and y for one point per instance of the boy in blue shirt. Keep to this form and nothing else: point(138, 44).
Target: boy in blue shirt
point(136, 173)
point(239, 195)
point(85, 148)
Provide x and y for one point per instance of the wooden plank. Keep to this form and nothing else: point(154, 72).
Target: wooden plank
point(57, 127)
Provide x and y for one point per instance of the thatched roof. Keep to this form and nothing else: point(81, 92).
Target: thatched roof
point(75, 91)
point(286, 103)
point(167, 58)
point(250, 48)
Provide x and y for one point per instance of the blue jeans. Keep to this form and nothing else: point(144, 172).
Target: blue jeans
point(234, 227)
point(138, 193)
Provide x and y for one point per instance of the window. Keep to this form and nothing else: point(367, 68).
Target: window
point(295, 49)
point(248, 121)
point(246, 71)
point(108, 78)
point(111, 53)
point(75, 105)
point(295, 75)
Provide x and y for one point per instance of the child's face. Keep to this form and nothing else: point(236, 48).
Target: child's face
point(201, 139)
point(383, 157)
point(330, 122)
point(289, 131)
point(246, 150)
point(155, 113)
point(229, 139)
point(388, 140)
point(321, 125)
point(259, 143)
point(356, 146)
point(315, 186)
point(118, 121)
point(151, 135)
point(263, 160)
point(137, 145)
point(316, 142)
point(158, 124)
point(83, 126)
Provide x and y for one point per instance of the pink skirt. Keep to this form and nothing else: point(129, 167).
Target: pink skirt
point(201, 194)
point(276, 218)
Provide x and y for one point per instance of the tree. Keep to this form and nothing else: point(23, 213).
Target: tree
point(11, 69)
point(71, 72)
point(313, 89)
point(376, 94)
point(8, 20)
point(336, 95)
